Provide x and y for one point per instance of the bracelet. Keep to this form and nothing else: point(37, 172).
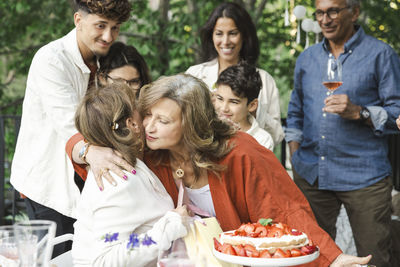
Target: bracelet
point(83, 152)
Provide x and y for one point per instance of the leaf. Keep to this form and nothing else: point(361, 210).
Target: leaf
point(265, 222)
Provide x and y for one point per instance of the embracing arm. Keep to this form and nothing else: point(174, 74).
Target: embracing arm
point(100, 159)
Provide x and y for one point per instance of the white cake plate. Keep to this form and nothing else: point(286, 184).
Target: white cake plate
point(261, 262)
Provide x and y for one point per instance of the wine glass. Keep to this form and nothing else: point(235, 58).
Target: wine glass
point(333, 75)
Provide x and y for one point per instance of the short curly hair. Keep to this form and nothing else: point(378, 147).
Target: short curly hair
point(118, 10)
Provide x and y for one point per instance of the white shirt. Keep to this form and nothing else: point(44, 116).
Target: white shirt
point(57, 81)
point(202, 199)
point(268, 112)
point(140, 205)
point(262, 136)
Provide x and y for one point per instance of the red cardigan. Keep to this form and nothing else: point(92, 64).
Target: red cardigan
point(254, 186)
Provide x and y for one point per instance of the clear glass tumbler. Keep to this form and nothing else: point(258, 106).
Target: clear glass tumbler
point(34, 242)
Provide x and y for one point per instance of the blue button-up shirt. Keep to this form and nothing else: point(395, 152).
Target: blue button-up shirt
point(345, 154)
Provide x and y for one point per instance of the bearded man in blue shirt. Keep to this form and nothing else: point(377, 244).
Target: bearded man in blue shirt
point(338, 142)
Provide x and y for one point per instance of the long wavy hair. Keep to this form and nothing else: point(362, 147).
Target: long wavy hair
point(250, 48)
point(101, 119)
point(204, 134)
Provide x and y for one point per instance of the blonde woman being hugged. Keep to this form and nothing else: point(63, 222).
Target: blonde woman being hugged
point(122, 225)
point(229, 36)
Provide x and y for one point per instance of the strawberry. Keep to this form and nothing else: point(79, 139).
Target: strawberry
point(308, 249)
point(217, 245)
point(241, 228)
point(252, 235)
point(295, 252)
point(251, 251)
point(228, 249)
point(265, 254)
point(295, 232)
point(279, 253)
point(239, 233)
point(249, 228)
point(240, 251)
point(261, 231)
point(275, 232)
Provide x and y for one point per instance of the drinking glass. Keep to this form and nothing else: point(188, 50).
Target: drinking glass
point(34, 242)
point(8, 246)
point(176, 256)
point(333, 75)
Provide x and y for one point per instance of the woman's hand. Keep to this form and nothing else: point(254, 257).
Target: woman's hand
point(398, 122)
point(104, 159)
point(344, 260)
point(182, 210)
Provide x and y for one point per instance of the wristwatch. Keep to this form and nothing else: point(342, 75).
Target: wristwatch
point(364, 114)
point(83, 152)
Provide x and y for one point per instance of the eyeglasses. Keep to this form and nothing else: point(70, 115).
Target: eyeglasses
point(331, 12)
point(134, 83)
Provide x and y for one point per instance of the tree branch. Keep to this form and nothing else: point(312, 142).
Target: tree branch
point(8, 51)
point(252, 4)
point(259, 11)
point(16, 102)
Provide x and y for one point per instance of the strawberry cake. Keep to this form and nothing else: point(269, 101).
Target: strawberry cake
point(265, 239)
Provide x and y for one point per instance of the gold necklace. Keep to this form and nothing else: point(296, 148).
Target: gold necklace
point(179, 172)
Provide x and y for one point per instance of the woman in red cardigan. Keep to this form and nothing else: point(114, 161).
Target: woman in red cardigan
point(226, 173)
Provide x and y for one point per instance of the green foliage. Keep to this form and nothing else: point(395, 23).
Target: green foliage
point(168, 37)
point(28, 24)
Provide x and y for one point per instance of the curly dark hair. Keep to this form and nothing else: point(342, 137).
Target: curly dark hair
point(118, 10)
point(243, 79)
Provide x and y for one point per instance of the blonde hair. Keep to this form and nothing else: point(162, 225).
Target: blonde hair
point(101, 119)
point(204, 134)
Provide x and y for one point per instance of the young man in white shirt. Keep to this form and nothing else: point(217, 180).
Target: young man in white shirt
point(58, 78)
point(237, 89)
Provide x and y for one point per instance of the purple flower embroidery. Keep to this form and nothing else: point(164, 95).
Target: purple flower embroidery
point(147, 241)
point(133, 241)
point(111, 237)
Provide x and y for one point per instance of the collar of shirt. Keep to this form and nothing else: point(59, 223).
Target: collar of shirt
point(353, 42)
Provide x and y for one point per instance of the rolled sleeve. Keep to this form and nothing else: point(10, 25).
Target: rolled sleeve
point(379, 118)
point(293, 134)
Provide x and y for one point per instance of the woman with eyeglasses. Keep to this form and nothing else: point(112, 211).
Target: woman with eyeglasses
point(124, 64)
